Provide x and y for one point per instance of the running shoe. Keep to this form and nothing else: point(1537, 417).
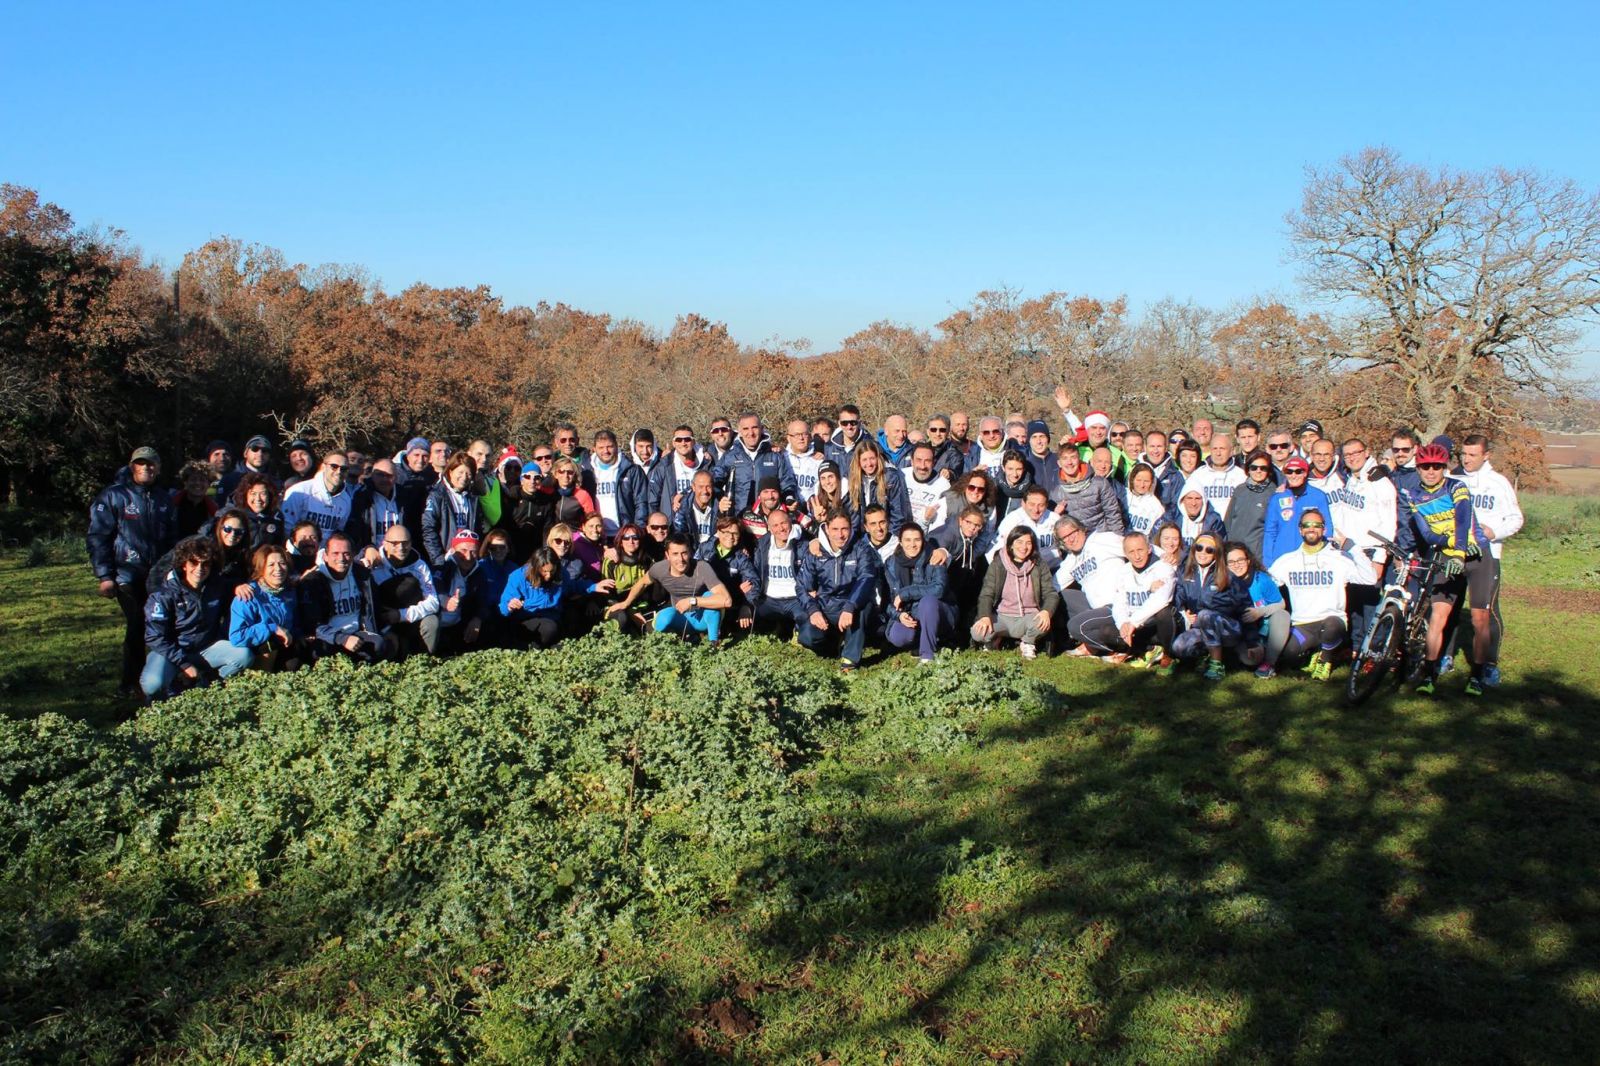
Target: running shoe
point(1029, 651)
point(1425, 687)
point(1154, 655)
point(1491, 677)
point(1163, 668)
point(1266, 672)
point(1474, 688)
point(1321, 669)
point(1215, 671)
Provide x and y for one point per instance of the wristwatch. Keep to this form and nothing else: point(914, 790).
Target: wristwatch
point(694, 601)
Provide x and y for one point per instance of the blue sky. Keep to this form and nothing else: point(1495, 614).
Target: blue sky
point(796, 171)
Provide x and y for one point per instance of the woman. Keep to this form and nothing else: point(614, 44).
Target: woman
point(624, 568)
point(1018, 598)
point(1143, 509)
point(918, 613)
point(1015, 481)
point(495, 560)
point(265, 621)
point(829, 497)
point(1169, 545)
point(559, 541)
point(231, 535)
point(976, 489)
point(1247, 509)
point(537, 597)
point(1211, 604)
point(873, 480)
point(589, 546)
point(569, 484)
point(1267, 621)
point(184, 630)
point(1188, 458)
point(451, 506)
point(258, 498)
point(192, 501)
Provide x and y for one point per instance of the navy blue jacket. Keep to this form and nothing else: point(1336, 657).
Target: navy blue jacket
point(949, 457)
point(926, 579)
point(440, 522)
point(836, 583)
point(130, 527)
point(738, 473)
point(1194, 594)
point(1210, 522)
point(895, 500)
point(683, 522)
point(663, 482)
point(800, 546)
point(633, 490)
point(732, 570)
point(181, 622)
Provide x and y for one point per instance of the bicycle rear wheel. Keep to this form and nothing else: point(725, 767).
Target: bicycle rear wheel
point(1378, 656)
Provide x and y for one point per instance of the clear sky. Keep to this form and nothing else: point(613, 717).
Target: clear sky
point(796, 171)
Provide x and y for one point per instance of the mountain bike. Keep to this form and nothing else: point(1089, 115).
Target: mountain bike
point(1397, 639)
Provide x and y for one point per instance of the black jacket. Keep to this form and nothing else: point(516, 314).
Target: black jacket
point(130, 527)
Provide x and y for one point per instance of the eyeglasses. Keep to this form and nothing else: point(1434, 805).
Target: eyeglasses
point(975, 488)
point(257, 448)
point(399, 543)
point(333, 466)
point(1115, 435)
point(656, 529)
point(1204, 549)
point(1404, 449)
point(233, 531)
point(988, 432)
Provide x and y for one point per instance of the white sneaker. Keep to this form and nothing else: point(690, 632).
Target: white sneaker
point(1028, 651)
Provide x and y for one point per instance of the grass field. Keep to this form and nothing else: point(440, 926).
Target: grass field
point(1156, 871)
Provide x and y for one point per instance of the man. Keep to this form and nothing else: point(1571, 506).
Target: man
point(466, 606)
point(1036, 515)
point(842, 444)
point(1096, 430)
point(949, 457)
point(747, 462)
point(837, 590)
point(257, 460)
point(1201, 432)
point(696, 517)
point(1041, 460)
point(776, 597)
point(657, 528)
point(1325, 467)
point(321, 499)
point(1091, 571)
point(407, 604)
point(337, 597)
point(991, 448)
point(894, 440)
point(875, 524)
point(1193, 515)
point(1317, 575)
point(619, 486)
point(1280, 449)
point(1246, 435)
point(1132, 445)
point(358, 465)
point(301, 463)
point(413, 481)
point(564, 439)
point(804, 459)
point(1078, 493)
point(1402, 468)
point(642, 451)
point(1363, 510)
point(1436, 518)
point(961, 441)
point(374, 509)
point(131, 525)
point(695, 597)
point(672, 477)
point(721, 439)
point(925, 489)
point(439, 454)
point(1495, 508)
point(1279, 535)
point(1169, 479)
point(1219, 475)
point(1309, 433)
point(753, 521)
point(1247, 508)
point(1141, 609)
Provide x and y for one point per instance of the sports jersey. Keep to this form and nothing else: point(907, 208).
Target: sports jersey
point(804, 465)
point(310, 501)
point(1362, 508)
point(605, 492)
point(1138, 600)
point(779, 578)
point(1494, 504)
point(1316, 581)
point(1440, 517)
point(1217, 485)
point(1099, 569)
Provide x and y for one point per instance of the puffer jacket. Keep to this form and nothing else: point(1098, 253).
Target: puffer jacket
point(130, 527)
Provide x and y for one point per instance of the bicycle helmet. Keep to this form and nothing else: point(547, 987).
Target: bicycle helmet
point(1433, 453)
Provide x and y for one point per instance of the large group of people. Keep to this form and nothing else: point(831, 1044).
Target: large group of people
point(1242, 545)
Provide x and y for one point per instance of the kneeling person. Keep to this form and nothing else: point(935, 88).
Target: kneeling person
point(918, 612)
point(1316, 576)
point(184, 626)
point(837, 588)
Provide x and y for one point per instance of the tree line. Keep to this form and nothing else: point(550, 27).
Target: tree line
point(1455, 301)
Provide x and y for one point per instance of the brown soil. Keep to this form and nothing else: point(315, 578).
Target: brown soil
point(1577, 601)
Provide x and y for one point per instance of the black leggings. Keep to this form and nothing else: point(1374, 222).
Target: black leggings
point(1102, 635)
point(542, 632)
point(1307, 638)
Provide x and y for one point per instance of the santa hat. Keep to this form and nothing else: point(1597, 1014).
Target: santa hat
point(1097, 418)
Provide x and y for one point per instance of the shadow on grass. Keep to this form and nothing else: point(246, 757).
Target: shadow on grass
point(1173, 871)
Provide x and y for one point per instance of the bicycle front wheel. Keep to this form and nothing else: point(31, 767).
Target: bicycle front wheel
point(1378, 656)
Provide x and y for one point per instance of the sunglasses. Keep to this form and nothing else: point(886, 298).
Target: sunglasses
point(629, 536)
point(1405, 449)
point(1296, 472)
point(545, 458)
point(683, 440)
point(398, 543)
point(560, 540)
point(1278, 447)
point(937, 429)
point(722, 429)
point(1202, 549)
point(333, 466)
point(1430, 466)
point(1311, 525)
point(257, 448)
point(233, 531)
point(1115, 435)
point(530, 477)
point(1261, 468)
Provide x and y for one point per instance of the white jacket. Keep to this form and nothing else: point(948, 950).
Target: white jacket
point(1138, 599)
point(1362, 508)
point(1494, 503)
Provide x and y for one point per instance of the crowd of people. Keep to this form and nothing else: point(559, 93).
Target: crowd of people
point(1240, 546)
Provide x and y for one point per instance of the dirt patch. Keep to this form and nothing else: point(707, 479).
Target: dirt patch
point(1577, 601)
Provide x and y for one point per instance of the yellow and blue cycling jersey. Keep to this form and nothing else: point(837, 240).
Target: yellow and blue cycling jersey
point(1440, 518)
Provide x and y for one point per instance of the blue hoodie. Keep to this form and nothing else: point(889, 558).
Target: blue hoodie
point(837, 582)
point(1281, 533)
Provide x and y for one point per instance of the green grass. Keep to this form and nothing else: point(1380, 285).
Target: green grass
point(1156, 870)
point(1558, 545)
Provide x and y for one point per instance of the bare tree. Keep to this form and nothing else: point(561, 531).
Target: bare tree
point(1461, 287)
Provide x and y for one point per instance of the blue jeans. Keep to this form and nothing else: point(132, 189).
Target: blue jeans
point(225, 658)
point(853, 643)
point(701, 619)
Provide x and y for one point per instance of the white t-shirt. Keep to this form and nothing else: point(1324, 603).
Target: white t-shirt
point(780, 572)
point(605, 493)
point(311, 501)
point(804, 465)
point(926, 494)
point(1316, 581)
point(1217, 485)
point(1099, 569)
point(1144, 512)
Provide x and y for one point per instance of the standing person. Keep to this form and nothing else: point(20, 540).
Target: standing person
point(1041, 460)
point(894, 440)
point(1246, 435)
point(564, 439)
point(185, 625)
point(1280, 535)
point(257, 460)
point(302, 463)
point(413, 480)
point(340, 611)
point(961, 440)
point(804, 460)
point(747, 462)
point(1211, 604)
point(321, 499)
point(837, 588)
point(695, 597)
point(192, 502)
point(918, 612)
point(1013, 484)
point(1325, 473)
point(1202, 432)
point(256, 496)
point(949, 455)
point(1219, 475)
point(776, 595)
point(407, 603)
point(831, 496)
point(375, 507)
point(1247, 510)
point(874, 481)
point(1018, 598)
point(1309, 433)
point(991, 450)
point(975, 489)
point(451, 506)
point(925, 489)
point(131, 525)
point(619, 485)
point(538, 597)
point(1316, 576)
point(1364, 508)
point(669, 483)
point(1169, 479)
point(842, 443)
point(1499, 516)
point(1280, 447)
point(264, 624)
point(721, 439)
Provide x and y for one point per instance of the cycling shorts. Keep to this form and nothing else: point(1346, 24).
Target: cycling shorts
point(1483, 582)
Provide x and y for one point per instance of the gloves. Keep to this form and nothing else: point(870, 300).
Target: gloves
point(1453, 568)
point(1474, 550)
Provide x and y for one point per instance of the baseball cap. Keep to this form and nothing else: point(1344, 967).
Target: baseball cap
point(417, 444)
point(258, 441)
point(299, 445)
point(1310, 425)
point(218, 444)
point(1297, 463)
point(146, 454)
